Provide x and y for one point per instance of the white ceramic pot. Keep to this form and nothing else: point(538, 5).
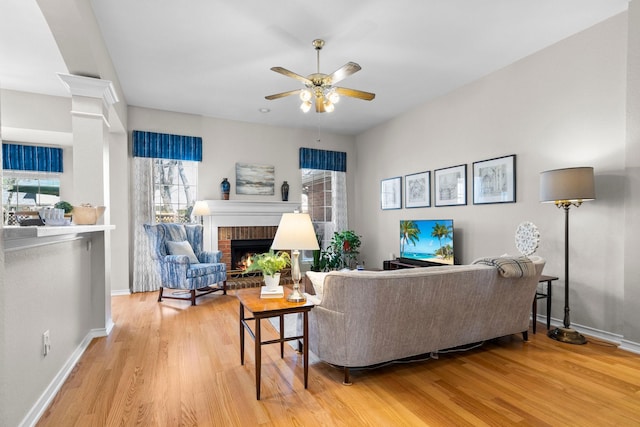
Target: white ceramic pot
point(272, 282)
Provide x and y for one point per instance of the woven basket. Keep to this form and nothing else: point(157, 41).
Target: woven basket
point(87, 214)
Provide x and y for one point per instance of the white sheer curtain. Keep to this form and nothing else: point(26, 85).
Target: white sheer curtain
point(145, 274)
point(339, 201)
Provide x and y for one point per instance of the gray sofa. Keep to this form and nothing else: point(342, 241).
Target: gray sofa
point(365, 318)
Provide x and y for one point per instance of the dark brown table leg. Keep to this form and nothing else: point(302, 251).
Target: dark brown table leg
point(241, 334)
point(258, 358)
point(548, 304)
point(305, 345)
point(534, 309)
point(282, 336)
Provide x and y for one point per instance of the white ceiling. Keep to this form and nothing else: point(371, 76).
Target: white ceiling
point(213, 57)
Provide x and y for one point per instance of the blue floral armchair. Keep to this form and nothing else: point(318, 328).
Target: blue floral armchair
point(177, 251)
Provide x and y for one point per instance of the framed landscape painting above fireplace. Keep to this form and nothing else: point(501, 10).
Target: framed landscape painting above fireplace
point(255, 179)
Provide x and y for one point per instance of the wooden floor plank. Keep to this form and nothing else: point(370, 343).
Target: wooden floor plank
point(172, 364)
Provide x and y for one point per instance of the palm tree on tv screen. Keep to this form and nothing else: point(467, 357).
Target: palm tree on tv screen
point(409, 231)
point(441, 231)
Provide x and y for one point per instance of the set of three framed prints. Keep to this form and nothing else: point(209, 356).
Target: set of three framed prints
point(494, 181)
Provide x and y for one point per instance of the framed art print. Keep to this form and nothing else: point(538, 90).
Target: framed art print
point(494, 180)
point(451, 186)
point(417, 190)
point(391, 193)
point(255, 179)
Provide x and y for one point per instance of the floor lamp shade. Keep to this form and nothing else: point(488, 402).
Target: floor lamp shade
point(295, 232)
point(571, 184)
point(566, 188)
point(201, 208)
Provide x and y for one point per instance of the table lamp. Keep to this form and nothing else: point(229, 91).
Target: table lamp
point(566, 188)
point(295, 232)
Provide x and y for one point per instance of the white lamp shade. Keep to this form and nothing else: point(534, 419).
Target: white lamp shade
point(295, 232)
point(200, 208)
point(571, 184)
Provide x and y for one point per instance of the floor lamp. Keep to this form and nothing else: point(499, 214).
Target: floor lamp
point(201, 209)
point(295, 232)
point(566, 188)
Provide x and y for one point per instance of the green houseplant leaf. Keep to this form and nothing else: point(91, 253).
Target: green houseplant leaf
point(269, 263)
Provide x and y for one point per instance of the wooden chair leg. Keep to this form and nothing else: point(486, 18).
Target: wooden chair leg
point(525, 335)
point(224, 287)
point(193, 297)
point(160, 294)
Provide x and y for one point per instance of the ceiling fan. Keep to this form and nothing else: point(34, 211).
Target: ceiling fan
point(320, 88)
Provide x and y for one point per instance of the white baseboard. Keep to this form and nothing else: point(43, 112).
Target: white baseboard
point(118, 292)
point(631, 346)
point(596, 333)
point(52, 389)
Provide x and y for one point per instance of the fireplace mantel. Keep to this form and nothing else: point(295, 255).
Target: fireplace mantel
point(236, 213)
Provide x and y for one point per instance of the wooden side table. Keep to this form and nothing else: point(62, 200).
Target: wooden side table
point(264, 308)
point(541, 295)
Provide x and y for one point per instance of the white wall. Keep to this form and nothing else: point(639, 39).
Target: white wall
point(561, 107)
point(632, 194)
point(39, 295)
point(226, 142)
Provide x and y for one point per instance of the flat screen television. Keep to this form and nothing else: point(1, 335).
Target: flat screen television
point(427, 241)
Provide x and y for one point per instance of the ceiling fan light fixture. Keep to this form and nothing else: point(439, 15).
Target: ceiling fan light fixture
point(318, 87)
point(333, 96)
point(305, 95)
point(305, 106)
point(328, 106)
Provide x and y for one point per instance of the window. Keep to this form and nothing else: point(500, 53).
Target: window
point(317, 201)
point(27, 192)
point(175, 184)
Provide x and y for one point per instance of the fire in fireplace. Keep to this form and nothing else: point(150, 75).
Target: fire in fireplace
point(241, 251)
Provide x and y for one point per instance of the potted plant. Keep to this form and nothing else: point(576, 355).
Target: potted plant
point(68, 207)
point(342, 251)
point(270, 264)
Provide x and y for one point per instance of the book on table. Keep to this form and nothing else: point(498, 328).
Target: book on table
point(277, 292)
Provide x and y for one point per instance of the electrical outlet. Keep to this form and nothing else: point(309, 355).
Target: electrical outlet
point(46, 343)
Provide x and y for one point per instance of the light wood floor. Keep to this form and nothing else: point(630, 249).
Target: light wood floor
point(170, 364)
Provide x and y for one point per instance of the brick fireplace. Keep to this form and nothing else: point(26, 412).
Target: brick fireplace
point(244, 239)
point(241, 220)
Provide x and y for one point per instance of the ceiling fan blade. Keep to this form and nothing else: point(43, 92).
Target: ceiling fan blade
point(320, 104)
point(283, 94)
point(353, 93)
point(291, 74)
point(343, 72)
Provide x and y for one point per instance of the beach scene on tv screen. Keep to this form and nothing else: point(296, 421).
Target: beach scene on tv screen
point(427, 240)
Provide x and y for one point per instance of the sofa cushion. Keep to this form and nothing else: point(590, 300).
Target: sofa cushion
point(317, 280)
point(511, 267)
point(182, 248)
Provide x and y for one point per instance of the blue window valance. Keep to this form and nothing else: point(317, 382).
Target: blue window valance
point(33, 158)
point(167, 146)
point(311, 158)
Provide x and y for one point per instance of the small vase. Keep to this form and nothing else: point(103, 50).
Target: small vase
point(225, 188)
point(285, 191)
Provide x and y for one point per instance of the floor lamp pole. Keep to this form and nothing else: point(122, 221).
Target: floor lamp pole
point(566, 334)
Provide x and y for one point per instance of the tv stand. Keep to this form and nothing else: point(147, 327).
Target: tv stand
point(400, 263)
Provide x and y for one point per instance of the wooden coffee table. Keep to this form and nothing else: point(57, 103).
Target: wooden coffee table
point(264, 308)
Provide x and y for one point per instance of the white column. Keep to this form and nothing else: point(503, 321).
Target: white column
point(91, 101)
